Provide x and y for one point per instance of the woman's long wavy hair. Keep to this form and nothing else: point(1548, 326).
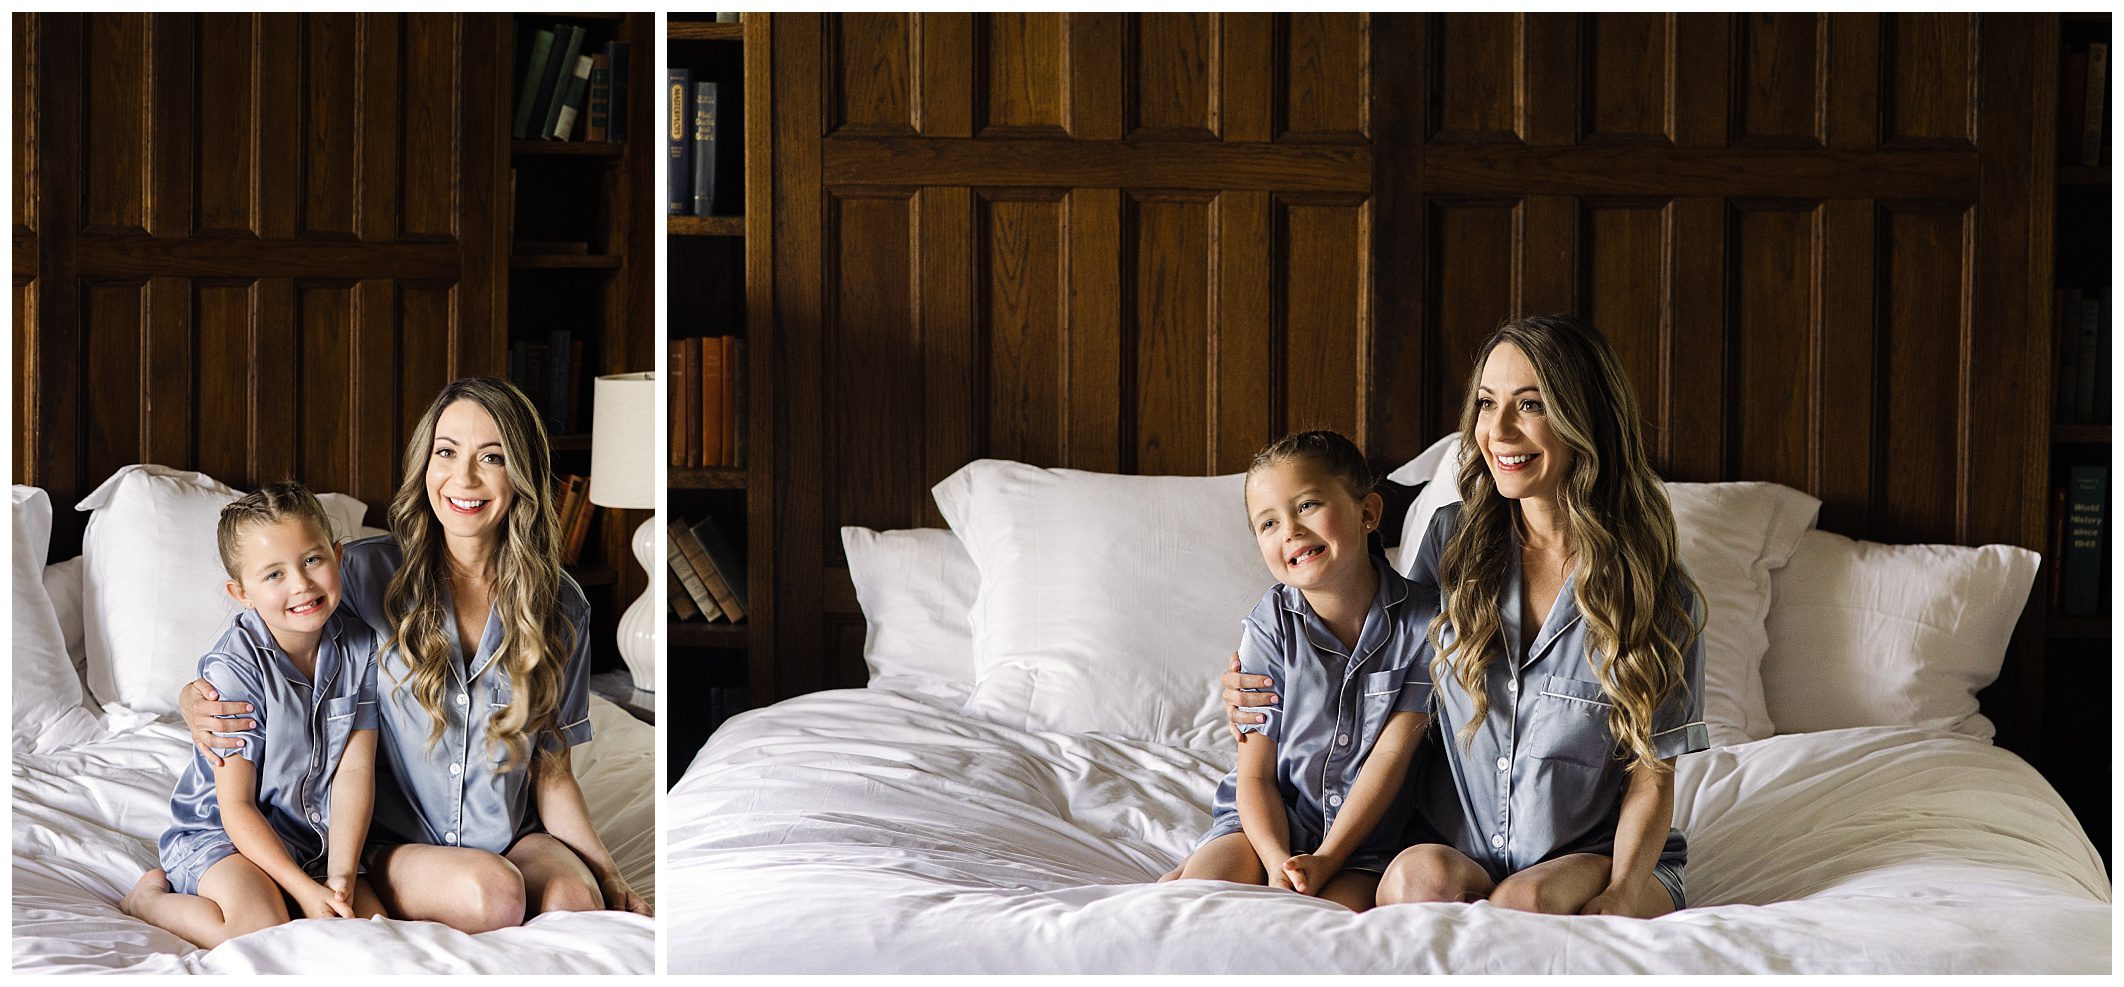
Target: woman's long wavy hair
point(1618, 529)
point(536, 641)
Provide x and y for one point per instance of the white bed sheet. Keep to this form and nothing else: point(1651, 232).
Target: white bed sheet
point(885, 831)
point(86, 821)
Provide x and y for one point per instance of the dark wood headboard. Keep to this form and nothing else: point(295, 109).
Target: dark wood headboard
point(1151, 243)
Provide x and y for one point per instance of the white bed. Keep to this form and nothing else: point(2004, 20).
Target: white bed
point(91, 787)
point(1004, 795)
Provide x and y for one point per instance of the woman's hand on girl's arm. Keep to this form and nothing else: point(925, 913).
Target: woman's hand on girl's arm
point(1236, 694)
point(567, 819)
point(204, 714)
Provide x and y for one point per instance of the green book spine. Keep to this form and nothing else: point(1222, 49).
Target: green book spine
point(534, 73)
point(557, 91)
point(572, 106)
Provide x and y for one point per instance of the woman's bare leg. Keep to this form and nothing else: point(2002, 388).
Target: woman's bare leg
point(469, 890)
point(234, 898)
point(555, 879)
point(1433, 872)
point(1227, 858)
point(1556, 887)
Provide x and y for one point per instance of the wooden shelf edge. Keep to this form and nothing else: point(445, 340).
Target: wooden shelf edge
point(703, 31)
point(690, 634)
point(726, 226)
point(707, 478)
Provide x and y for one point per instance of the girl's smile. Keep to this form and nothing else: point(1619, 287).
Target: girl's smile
point(1311, 532)
point(290, 575)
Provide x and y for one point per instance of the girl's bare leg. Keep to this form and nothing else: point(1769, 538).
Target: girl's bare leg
point(1433, 872)
point(555, 879)
point(234, 898)
point(1227, 858)
point(366, 903)
point(1356, 890)
point(468, 890)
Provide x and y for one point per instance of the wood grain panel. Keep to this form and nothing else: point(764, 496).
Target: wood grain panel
point(278, 192)
point(1173, 57)
point(331, 96)
point(276, 451)
point(25, 129)
point(946, 107)
point(870, 76)
point(1624, 257)
point(1923, 374)
point(954, 398)
point(1248, 94)
point(1694, 391)
point(1622, 170)
point(428, 324)
point(1781, 84)
point(432, 163)
point(1474, 84)
point(166, 357)
point(1930, 100)
point(1323, 249)
point(1327, 67)
point(1774, 267)
point(116, 128)
point(1025, 89)
point(1703, 81)
point(227, 323)
point(172, 102)
point(227, 170)
point(1019, 282)
point(1249, 388)
point(1168, 244)
point(323, 370)
point(27, 381)
point(1469, 282)
point(375, 445)
point(872, 346)
point(1853, 66)
point(384, 62)
point(1096, 88)
point(1844, 407)
point(112, 325)
point(1628, 67)
point(1098, 295)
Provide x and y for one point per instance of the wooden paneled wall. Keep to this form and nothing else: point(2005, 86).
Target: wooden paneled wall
point(1150, 243)
point(253, 245)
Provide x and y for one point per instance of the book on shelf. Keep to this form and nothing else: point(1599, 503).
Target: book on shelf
point(572, 508)
point(560, 378)
point(2068, 382)
point(616, 130)
point(2091, 117)
point(704, 127)
point(2090, 329)
point(678, 140)
point(2056, 557)
point(547, 370)
point(562, 72)
point(535, 62)
point(729, 567)
point(597, 120)
point(711, 576)
point(2086, 541)
point(681, 604)
point(710, 411)
point(675, 358)
point(733, 399)
point(690, 577)
point(571, 107)
point(728, 18)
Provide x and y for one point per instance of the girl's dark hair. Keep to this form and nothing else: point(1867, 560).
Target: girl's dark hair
point(1324, 450)
point(268, 504)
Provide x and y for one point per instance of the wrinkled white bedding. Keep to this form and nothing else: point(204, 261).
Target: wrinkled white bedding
point(883, 830)
point(85, 824)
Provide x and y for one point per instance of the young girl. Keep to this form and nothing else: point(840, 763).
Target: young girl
point(285, 813)
point(1316, 802)
point(1570, 672)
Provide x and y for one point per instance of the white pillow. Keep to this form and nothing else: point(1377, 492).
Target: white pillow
point(1108, 603)
point(62, 582)
point(1865, 634)
point(1440, 466)
point(915, 587)
point(47, 690)
point(1733, 535)
point(153, 598)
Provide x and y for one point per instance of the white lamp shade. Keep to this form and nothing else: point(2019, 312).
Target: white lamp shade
point(623, 442)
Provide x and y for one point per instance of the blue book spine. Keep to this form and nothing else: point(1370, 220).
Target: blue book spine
point(2086, 540)
point(616, 132)
point(678, 138)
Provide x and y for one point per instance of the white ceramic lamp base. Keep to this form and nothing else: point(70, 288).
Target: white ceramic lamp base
point(638, 627)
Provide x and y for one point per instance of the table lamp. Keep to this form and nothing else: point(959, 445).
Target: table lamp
point(623, 475)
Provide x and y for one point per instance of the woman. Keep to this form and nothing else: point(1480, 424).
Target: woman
point(1570, 667)
point(483, 679)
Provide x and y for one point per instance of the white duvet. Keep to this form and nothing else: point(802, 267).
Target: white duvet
point(85, 824)
point(886, 831)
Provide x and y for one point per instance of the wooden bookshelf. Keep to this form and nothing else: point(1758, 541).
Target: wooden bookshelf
point(2076, 648)
point(602, 194)
point(718, 280)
